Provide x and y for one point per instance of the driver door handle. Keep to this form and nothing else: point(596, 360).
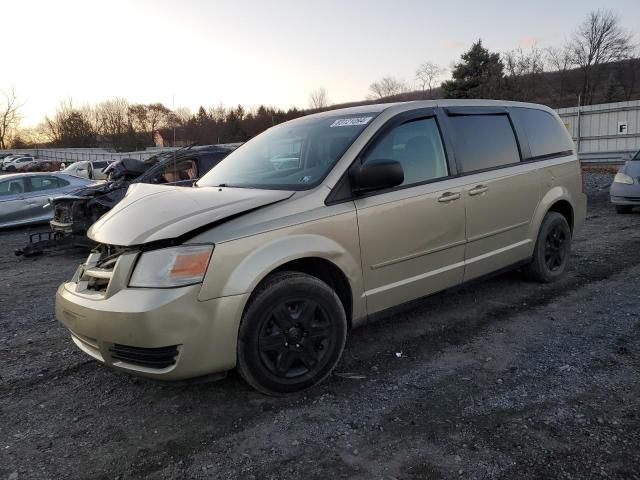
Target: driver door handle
point(479, 190)
point(449, 197)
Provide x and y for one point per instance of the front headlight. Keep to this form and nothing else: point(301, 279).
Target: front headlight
point(172, 267)
point(623, 178)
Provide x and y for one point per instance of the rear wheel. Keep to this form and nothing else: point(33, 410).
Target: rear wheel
point(292, 334)
point(552, 249)
point(624, 209)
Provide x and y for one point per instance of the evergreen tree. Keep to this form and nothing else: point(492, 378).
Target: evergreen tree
point(478, 75)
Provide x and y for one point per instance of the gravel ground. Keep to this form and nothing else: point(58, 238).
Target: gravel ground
point(499, 379)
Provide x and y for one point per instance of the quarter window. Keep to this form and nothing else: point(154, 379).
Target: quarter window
point(417, 146)
point(547, 136)
point(484, 141)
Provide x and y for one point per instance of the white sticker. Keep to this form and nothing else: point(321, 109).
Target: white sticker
point(349, 122)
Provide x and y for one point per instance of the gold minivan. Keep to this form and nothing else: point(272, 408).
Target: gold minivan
point(311, 227)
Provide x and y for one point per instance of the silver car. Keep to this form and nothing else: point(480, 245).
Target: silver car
point(24, 197)
point(625, 189)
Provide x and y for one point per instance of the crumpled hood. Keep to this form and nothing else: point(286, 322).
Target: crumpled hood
point(155, 212)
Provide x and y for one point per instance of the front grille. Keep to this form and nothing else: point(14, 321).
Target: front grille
point(98, 270)
point(161, 357)
point(62, 213)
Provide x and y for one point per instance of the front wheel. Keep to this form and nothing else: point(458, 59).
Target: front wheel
point(552, 249)
point(292, 334)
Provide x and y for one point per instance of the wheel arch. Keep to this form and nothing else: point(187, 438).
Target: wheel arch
point(557, 199)
point(326, 271)
point(312, 254)
point(564, 208)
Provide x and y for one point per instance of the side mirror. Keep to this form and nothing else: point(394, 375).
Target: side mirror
point(376, 175)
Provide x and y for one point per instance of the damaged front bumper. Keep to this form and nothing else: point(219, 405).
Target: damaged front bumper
point(162, 333)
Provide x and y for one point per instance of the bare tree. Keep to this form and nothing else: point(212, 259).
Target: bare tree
point(157, 115)
point(70, 126)
point(113, 116)
point(523, 69)
point(386, 87)
point(181, 116)
point(426, 75)
point(559, 59)
point(319, 98)
point(599, 40)
point(9, 116)
point(628, 72)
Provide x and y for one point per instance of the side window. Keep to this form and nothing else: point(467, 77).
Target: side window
point(484, 141)
point(11, 187)
point(177, 172)
point(417, 146)
point(547, 136)
point(40, 184)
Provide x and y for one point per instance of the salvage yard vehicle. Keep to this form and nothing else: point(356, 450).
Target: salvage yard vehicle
point(93, 169)
point(43, 166)
point(73, 214)
point(24, 197)
point(625, 189)
point(10, 158)
point(266, 267)
point(17, 163)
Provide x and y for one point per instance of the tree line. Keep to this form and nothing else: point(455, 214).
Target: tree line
point(598, 63)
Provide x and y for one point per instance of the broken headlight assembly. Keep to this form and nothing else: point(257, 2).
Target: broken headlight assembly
point(623, 178)
point(171, 267)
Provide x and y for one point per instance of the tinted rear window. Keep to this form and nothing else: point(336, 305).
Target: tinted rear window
point(547, 136)
point(484, 141)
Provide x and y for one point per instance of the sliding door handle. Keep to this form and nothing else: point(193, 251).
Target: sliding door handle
point(449, 197)
point(479, 190)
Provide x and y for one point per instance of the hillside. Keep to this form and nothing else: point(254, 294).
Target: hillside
point(615, 82)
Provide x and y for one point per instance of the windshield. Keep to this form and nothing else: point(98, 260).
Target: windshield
point(75, 166)
point(296, 155)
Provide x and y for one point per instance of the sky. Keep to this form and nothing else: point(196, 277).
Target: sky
point(252, 52)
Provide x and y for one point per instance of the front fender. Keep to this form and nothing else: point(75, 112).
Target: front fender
point(238, 266)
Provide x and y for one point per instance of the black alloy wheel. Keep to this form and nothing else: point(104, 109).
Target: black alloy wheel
point(295, 338)
point(555, 251)
point(552, 249)
point(291, 335)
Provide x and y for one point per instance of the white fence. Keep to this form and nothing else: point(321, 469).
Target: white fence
point(70, 155)
point(606, 132)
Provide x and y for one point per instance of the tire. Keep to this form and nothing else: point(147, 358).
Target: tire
point(11, 168)
point(622, 209)
point(551, 253)
point(291, 335)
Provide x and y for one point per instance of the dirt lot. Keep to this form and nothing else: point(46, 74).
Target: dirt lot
point(502, 379)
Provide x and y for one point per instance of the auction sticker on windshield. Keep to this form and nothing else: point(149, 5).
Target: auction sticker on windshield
point(349, 122)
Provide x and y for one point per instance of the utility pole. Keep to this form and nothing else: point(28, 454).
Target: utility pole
point(173, 107)
point(578, 139)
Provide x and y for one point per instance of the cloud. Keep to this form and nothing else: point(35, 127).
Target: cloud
point(528, 41)
point(453, 44)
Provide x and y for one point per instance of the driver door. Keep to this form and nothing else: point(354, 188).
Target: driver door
point(412, 237)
